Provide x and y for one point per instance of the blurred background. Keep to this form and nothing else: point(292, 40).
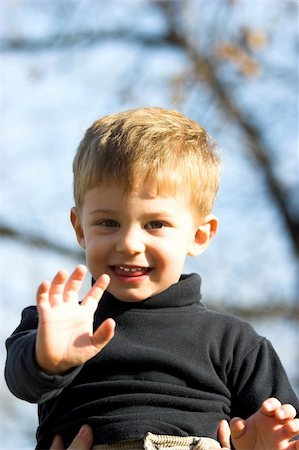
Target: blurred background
point(230, 65)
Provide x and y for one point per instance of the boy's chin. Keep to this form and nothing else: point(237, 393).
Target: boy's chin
point(132, 295)
point(126, 297)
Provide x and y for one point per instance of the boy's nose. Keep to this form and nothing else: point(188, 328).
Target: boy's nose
point(131, 242)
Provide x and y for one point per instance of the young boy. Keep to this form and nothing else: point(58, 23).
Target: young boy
point(145, 181)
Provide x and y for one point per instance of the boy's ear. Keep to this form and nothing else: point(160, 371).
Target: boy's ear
point(76, 222)
point(203, 235)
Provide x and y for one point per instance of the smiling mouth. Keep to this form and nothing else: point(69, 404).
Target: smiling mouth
point(131, 271)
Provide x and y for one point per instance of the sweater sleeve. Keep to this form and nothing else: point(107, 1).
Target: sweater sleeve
point(23, 376)
point(259, 375)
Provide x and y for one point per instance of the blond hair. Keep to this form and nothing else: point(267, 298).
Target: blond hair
point(153, 145)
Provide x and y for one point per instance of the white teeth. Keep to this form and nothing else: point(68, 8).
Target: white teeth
point(130, 269)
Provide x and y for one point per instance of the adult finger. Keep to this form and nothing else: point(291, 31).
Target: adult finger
point(57, 444)
point(237, 427)
point(269, 406)
point(223, 433)
point(83, 440)
point(285, 412)
point(292, 427)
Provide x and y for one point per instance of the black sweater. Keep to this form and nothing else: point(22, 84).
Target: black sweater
point(173, 367)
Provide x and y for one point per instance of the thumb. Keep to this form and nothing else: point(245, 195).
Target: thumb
point(237, 427)
point(57, 443)
point(83, 440)
point(223, 434)
point(103, 334)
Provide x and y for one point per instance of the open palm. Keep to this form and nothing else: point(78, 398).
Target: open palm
point(65, 336)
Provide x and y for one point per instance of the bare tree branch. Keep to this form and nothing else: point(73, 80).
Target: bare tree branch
point(39, 242)
point(262, 312)
point(65, 40)
point(204, 70)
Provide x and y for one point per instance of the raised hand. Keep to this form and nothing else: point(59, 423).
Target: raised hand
point(65, 336)
point(270, 428)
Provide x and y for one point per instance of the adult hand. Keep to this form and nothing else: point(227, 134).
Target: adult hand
point(83, 440)
point(271, 428)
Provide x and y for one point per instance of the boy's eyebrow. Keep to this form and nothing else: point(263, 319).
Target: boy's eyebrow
point(161, 213)
point(100, 210)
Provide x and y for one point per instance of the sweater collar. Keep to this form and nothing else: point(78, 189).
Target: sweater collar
point(183, 293)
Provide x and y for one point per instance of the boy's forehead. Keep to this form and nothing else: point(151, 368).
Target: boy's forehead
point(110, 194)
point(147, 189)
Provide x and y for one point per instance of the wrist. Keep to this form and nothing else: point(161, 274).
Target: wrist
point(52, 368)
point(48, 364)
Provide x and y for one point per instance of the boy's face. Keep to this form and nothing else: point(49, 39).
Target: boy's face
point(139, 240)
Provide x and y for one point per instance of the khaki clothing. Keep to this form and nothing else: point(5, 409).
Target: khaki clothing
point(163, 442)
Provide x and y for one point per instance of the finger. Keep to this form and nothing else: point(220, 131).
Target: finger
point(94, 295)
point(103, 334)
point(42, 294)
point(83, 440)
point(285, 412)
point(223, 433)
point(74, 283)
point(237, 427)
point(57, 287)
point(269, 406)
point(57, 444)
point(292, 427)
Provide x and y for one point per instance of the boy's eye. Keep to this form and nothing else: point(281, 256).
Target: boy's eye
point(155, 224)
point(110, 223)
